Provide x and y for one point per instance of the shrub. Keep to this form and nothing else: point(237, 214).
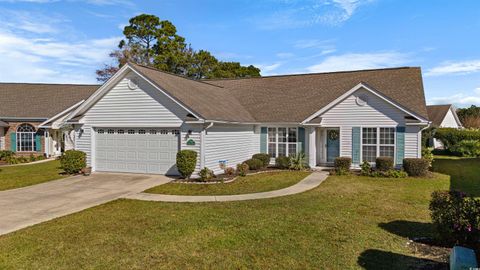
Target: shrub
point(366, 168)
point(72, 161)
point(456, 217)
point(265, 158)
point(254, 164)
point(395, 174)
point(342, 165)
point(5, 154)
point(32, 158)
point(467, 148)
point(427, 154)
point(384, 163)
point(415, 166)
point(186, 162)
point(298, 161)
point(282, 162)
point(229, 171)
point(206, 174)
point(452, 136)
point(242, 169)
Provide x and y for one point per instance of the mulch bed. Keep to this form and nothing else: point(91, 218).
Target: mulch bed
point(224, 178)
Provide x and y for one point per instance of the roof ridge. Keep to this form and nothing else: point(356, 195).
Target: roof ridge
point(71, 84)
point(314, 73)
point(176, 75)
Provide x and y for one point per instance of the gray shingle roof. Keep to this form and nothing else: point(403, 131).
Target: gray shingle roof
point(24, 100)
point(436, 113)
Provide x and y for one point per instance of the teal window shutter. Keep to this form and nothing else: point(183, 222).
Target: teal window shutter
point(301, 140)
point(38, 143)
point(263, 140)
point(13, 141)
point(356, 145)
point(400, 155)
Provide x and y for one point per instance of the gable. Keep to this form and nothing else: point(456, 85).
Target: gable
point(449, 120)
point(143, 106)
point(352, 112)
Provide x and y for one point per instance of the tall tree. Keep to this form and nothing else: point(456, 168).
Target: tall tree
point(153, 42)
point(470, 117)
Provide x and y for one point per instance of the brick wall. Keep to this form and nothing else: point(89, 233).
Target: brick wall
point(13, 128)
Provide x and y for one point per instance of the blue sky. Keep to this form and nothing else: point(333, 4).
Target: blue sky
point(65, 41)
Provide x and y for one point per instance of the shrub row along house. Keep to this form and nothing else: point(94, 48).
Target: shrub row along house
point(139, 119)
point(443, 116)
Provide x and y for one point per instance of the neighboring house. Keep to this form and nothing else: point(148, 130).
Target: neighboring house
point(139, 119)
point(443, 116)
point(28, 113)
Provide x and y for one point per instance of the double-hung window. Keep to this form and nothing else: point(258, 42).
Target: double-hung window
point(377, 142)
point(282, 141)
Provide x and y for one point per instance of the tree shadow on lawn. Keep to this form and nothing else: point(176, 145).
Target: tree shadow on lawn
point(464, 173)
point(379, 259)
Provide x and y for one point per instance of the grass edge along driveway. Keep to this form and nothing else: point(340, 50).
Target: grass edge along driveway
point(31, 174)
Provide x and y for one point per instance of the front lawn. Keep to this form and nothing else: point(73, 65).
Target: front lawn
point(29, 174)
point(347, 222)
point(250, 184)
point(465, 173)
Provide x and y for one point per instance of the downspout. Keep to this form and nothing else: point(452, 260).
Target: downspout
point(202, 145)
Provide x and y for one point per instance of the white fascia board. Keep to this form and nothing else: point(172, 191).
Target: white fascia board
point(55, 117)
point(353, 90)
point(455, 115)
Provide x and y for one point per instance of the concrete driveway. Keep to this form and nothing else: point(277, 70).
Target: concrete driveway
point(23, 207)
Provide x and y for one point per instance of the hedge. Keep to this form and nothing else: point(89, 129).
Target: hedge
point(282, 162)
point(416, 166)
point(384, 163)
point(452, 136)
point(186, 162)
point(72, 161)
point(254, 164)
point(342, 164)
point(265, 158)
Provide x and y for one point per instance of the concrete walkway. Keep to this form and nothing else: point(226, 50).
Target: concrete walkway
point(23, 207)
point(310, 182)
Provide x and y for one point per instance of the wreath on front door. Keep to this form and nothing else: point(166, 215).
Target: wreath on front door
point(333, 135)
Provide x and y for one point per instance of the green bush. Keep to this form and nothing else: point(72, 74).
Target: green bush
point(467, 148)
point(298, 161)
point(282, 162)
point(392, 173)
point(415, 166)
point(242, 169)
point(384, 163)
point(254, 164)
point(342, 165)
point(186, 162)
point(427, 154)
point(265, 158)
point(456, 217)
point(366, 168)
point(206, 174)
point(72, 161)
point(5, 154)
point(452, 136)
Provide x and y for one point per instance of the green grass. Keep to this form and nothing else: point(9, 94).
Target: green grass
point(242, 185)
point(27, 175)
point(465, 173)
point(347, 222)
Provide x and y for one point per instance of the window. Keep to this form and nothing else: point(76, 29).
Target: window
point(141, 131)
point(131, 131)
point(153, 131)
point(100, 131)
point(120, 131)
point(111, 131)
point(378, 142)
point(26, 138)
point(282, 141)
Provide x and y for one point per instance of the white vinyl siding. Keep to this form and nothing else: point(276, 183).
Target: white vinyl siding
point(376, 113)
point(195, 136)
point(234, 143)
point(412, 137)
point(449, 120)
point(2, 138)
point(142, 107)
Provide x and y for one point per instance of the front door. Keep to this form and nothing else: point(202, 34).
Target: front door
point(333, 144)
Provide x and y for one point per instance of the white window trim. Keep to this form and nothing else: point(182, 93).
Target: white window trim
point(378, 143)
point(287, 143)
point(18, 141)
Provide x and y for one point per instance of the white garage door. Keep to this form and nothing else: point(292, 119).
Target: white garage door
point(136, 150)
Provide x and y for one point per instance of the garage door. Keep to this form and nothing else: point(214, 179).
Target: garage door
point(136, 150)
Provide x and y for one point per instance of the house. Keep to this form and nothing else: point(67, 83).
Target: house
point(443, 116)
point(26, 111)
point(139, 119)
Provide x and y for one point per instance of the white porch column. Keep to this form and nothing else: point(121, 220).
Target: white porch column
point(312, 146)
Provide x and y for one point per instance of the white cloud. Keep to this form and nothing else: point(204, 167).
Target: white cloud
point(460, 100)
point(30, 21)
point(295, 14)
point(268, 69)
point(459, 68)
point(285, 55)
point(354, 61)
